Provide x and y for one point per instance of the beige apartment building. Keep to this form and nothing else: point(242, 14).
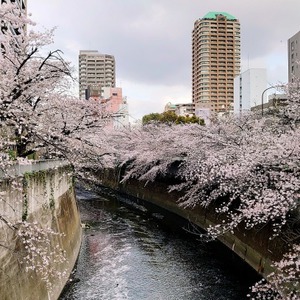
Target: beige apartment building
point(96, 71)
point(216, 61)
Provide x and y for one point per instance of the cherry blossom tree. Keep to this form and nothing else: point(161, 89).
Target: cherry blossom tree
point(39, 116)
point(246, 168)
point(284, 282)
point(38, 112)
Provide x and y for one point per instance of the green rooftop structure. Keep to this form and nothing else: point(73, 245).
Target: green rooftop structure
point(213, 16)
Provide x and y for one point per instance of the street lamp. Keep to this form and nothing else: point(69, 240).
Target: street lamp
point(262, 96)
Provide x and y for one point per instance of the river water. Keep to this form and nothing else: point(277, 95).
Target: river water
point(131, 254)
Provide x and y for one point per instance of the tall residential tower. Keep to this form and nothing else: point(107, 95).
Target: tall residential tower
point(216, 61)
point(96, 71)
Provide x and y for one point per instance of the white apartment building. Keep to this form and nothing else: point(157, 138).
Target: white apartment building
point(248, 89)
point(96, 71)
point(185, 109)
point(216, 61)
point(294, 57)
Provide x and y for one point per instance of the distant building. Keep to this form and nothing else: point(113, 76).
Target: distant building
point(96, 71)
point(204, 113)
point(248, 89)
point(93, 91)
point(115, 106)
point(216, 61)
point(294, 57)
point(185, 109)
point(170, 107)
point(181, 109)
point(274, 102)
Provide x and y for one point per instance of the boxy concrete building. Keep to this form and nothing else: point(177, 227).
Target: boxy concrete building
point(248, 89)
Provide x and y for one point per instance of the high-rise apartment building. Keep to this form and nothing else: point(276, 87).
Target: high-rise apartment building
point(96, 71)
point(294, 57)
point(216, 61)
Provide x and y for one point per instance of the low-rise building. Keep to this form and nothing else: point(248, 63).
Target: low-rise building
point(274, 102)
point(181, 109)
point(115, 106)
point(170, 107)
point(185, 109)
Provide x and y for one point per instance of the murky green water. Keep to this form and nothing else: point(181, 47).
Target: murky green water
point(126, 254)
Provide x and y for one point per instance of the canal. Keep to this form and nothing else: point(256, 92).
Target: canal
point(130, 253)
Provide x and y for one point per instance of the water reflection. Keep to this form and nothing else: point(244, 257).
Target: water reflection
point(127, 255)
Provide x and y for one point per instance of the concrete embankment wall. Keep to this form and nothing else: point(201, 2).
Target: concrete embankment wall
point(47, 198)
point(254, 246)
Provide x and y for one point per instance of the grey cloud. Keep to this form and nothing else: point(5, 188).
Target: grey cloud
point(151, 40)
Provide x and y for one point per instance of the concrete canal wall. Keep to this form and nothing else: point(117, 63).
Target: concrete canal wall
point(44, 195)
point(253, 246)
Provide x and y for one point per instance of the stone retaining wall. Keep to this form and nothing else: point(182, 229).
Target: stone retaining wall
point(254, 246)
point(46, 197)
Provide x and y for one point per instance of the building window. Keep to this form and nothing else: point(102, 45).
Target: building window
point(292, 46)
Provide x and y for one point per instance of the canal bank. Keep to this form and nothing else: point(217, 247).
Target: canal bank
point(30, 262)
point(137, 252)
point(255, 246)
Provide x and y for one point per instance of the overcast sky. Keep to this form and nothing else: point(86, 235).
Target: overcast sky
point(151, 40)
